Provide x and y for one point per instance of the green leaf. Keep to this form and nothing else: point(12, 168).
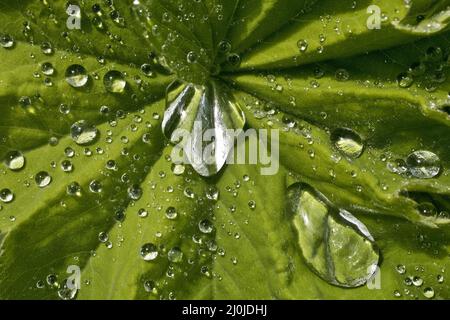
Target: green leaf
point(353, 112)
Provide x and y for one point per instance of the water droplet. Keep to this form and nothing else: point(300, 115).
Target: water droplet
point(95, 186)
point(147, 70)
point(66, 166)
point(302, 45)
point(76, 76)
point(427, 209)
point(150, 286)
point(342, 75)
point(143, 213)
point(404, 80)
point(428, 293)
point(417, 281)
point(171, 213)
point(135, 192)
point(15, 160)
point(83, 133)
point(103, 237)
point(114, 81)
point(348, 142)
point(6, 195)
point(74, 189)
point(401, 269)
point(423, 164)
point(66, 292)
point(234, 59)
point(42, 179)
point(205, 226)
point(224, 46)
point(6, 41)
point(212, 193)
point(149, 252)
point(178, 169)
point(191, 57)
point(47, 48)
point(175, 255)
point(336, 245)
point(47, 69)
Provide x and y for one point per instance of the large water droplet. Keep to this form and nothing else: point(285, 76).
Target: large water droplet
point(149, 252)
point(114, 81)
point(76, 76)
point(423, 164)
point(348, 142)
point(336, 246)
point(15, 160)
point(83, 133)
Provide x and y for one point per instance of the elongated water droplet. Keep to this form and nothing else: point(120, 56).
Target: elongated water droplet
point(149, 252)
point(335, 245)
point(83, 133)
point(15, 160)
point(199, 109)
point(348, 142)
point(114, 81)
point(423, 164)
point(76, 76)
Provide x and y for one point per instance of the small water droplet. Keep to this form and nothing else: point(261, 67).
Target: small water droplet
point(6, 41)
point(83, 133)
point(348, 142)
point(212, 193)
point(135, 192)
point(66, 166)
point(401, 269)
point(191, 57)
point(74, 189)
point(428, 293)
point(205, 226)
point(404, 80)
point(42, 179)
point(6, 195)
point(302, 45)
point(95, 186)
point(47, 48)
point(175, 255)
